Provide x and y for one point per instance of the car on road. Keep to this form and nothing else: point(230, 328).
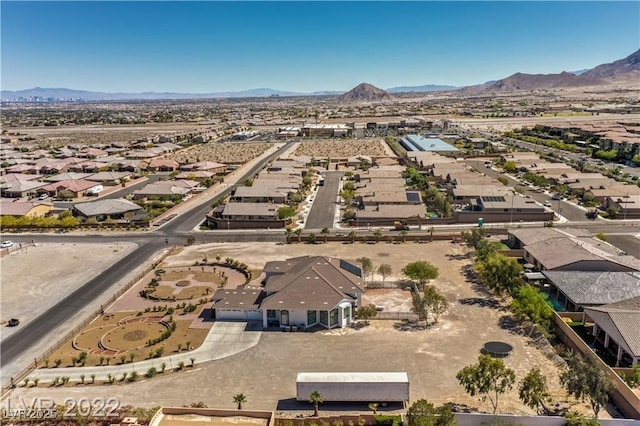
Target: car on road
point(547, 203)
point(13, 322)
point(557, 196)
point(6, 244)
point(43, 197)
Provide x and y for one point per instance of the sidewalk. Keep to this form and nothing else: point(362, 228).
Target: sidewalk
point(224, 339)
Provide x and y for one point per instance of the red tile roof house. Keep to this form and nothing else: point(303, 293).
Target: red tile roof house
point(77, 188)
point(302, 292)
point(162, 165)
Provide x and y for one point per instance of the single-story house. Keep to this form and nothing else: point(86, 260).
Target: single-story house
point(159, 190)
point(75, 187)
point(107, 209)
point(109, 178)
point(577, 290)
point(301, 292)
point(162, 165)
point(616, 326)
point(205, 166)
point(245, 215)
point(573, 254)
point(25, 208)
point(20, 188)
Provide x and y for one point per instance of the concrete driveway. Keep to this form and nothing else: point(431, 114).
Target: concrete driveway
point(224, 339)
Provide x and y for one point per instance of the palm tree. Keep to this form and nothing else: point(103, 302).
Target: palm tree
point(239, 399)
point(325, 232)
point(377, 234)
point(404, 233)
point(316, 399)
point(353, 235)
point(288, 232)
point(298, 233)
point(431, 229)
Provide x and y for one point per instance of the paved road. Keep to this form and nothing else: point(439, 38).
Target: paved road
point(323, 210)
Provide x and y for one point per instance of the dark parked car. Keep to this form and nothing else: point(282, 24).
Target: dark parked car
point(13, 322)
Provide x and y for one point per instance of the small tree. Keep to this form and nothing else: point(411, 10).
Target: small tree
point(93, 378)
point(373, 406)
point(131, 356)
point(82, 379)
point(367, 312)
point(193, 360)
point(312, 238)
point(57, 362)
point(316, 399)
point(163, 366)
point(423, 413)
point(601, 236)
point(367, 266)
point(420, 271)
point(352, 236)
point(133, 376)
point(404, 233)
point(585, 379)
point(489, 378)
point(35, 382)
point(325, 232)
point(377, 234)
point(239, 399)
point(533, 390)
point(384, 270)
point(298, 233)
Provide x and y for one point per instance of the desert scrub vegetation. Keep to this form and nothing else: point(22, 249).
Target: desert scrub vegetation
point(342, 148)
point(228, 153)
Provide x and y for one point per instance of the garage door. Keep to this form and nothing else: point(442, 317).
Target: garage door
point(254, 315)
point(237, 315)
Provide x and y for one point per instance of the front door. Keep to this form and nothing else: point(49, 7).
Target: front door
point(284, 317)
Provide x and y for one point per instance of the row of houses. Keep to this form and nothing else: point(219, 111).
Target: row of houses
point(381, 197)
point(256, 205)
point(475, 195)
point(587, 275)
point(608, 192)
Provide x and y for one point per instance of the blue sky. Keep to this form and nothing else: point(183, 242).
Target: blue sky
point(303, 46)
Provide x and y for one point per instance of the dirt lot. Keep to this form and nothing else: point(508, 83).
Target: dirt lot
point(94, 134)
point(266, 373)
point(228, 153)
point(38, 276)
point(329, 148)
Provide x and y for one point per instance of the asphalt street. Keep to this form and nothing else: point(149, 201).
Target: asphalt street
point(324, 206)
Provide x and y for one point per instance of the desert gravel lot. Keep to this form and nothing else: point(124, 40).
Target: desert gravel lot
point(266, 373)
point(42, 275)
point(327, 148)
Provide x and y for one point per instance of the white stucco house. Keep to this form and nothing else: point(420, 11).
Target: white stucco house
point(301, 292)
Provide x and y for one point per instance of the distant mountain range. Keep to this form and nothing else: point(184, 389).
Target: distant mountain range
point(627, 69)
point(623, 70)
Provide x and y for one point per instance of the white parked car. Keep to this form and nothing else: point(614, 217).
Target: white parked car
point(43, 197)
point(6, 244)
point(547, 203)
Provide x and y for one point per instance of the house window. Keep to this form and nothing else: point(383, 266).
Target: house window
point(334, 317)
point(271, 313)
point(284, 317)
point(311, 317)
point(324, 318)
